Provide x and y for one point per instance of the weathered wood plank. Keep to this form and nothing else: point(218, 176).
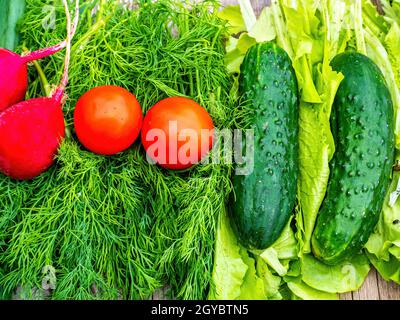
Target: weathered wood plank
point(388, 290)
point(347, 296)
point(161, 294)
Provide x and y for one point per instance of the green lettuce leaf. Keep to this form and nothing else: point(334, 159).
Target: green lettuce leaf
point(396, 9)
point(239, 275)
point(314, 154)
point(259, 283)
point(301, 25)
point(377, 52)
point(283, 250)
point(253, 287)
point(263, 29)
point(272, 282)
point(316, 141)
point(230, 269)
point(236, 50)
point(391, 9)
point(389, 270)
point(286, 246)
point(373, 20)
point(270, 256)
point(302, 291)
point(234, 18)
point(345, 277)
point(392, 42)
point(384, 244)
point(387, 232)
point(260, 31)
point(263, 278)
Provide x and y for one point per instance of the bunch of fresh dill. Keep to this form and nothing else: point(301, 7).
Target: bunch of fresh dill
point(118, 227)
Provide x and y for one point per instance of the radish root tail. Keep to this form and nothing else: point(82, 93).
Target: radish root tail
point(42, 53)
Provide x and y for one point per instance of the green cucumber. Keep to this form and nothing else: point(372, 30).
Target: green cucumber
point(362, 124)
point(263, 201)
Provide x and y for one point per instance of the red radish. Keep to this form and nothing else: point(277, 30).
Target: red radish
point(31, 131)
point(14, 72)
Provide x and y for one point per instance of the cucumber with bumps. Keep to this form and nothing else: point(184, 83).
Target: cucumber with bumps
point(263, 201)
point(362, 126)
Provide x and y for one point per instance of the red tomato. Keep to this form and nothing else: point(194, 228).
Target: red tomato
point(177, 133)
point(108, 119)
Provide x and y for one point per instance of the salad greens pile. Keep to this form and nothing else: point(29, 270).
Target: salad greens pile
point(312, 33)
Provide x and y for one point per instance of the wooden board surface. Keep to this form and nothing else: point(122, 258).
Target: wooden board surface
point(375, 288)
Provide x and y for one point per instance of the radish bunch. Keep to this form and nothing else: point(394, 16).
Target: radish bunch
point(14, 80)
point(31, 131)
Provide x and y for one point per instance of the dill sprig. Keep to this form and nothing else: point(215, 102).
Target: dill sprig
point(118, 227)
